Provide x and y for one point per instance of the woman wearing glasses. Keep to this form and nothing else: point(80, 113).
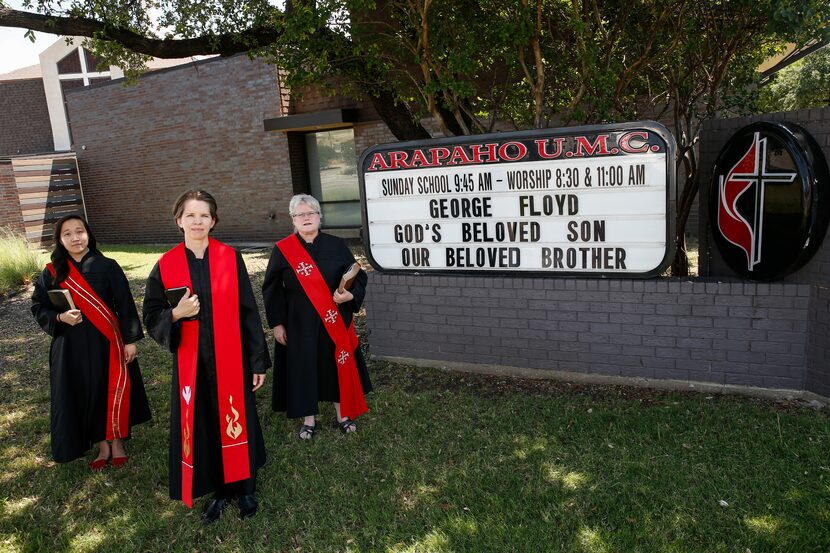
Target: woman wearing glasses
point(316, 351)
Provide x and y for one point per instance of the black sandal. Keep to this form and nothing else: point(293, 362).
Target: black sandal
point(307, 430)
point(345, 425)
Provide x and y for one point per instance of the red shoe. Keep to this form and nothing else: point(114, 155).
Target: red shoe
point(118, 462)
point(97, 465)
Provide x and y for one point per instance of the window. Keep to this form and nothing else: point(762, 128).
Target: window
point(332, 170)
point(75, 70)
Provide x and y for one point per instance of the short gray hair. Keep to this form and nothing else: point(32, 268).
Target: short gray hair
point(310, 201)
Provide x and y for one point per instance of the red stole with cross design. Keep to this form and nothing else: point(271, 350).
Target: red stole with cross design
point(227, 345)
point(104, 320)
point(352, 402)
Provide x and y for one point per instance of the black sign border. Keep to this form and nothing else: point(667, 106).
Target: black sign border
point(812, 167)
point(651, 126)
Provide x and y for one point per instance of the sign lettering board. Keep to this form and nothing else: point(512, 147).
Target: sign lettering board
point(595, 200)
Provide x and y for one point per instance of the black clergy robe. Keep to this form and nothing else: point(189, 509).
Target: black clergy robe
point(305, 371)
point(208, 473)
point(79, 359)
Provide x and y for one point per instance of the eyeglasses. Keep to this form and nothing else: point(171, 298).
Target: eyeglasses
point(306, 214)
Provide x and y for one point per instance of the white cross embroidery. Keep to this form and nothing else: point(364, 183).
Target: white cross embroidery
point(304, 268)
point(331, 316)
point(342, 357)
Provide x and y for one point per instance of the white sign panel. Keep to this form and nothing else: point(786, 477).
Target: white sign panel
point(582, 200)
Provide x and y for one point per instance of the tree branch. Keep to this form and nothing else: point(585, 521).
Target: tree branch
point(396, 116)
point(223, 44)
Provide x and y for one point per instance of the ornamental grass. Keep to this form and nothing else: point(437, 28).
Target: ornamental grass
point(20, 262)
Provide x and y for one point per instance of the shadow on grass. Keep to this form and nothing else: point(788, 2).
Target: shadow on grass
point(442, 470)
point(439, 472)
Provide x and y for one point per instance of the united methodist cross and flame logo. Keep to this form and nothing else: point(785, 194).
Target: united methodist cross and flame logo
point(767, 204)
point(234, 429)
point(750, 175)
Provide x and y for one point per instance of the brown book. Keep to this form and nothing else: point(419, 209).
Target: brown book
point(348, 277)
point(61, 299)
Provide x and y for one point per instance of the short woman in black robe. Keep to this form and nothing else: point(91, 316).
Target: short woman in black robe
point(162, 324)
point(79, 353)
point(305, 370)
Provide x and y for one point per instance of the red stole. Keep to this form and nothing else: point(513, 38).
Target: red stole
point(228, 354)
point(352, 402)
point(104, 320)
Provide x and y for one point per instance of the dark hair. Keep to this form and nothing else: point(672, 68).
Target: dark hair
point(60, 255)
point(195, 194)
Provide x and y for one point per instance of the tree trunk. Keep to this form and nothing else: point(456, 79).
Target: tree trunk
point(398, 118)
point(680, 264)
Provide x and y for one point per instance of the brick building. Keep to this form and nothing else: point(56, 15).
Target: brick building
point(223, 124)
point(227, 125)
point(39, 179)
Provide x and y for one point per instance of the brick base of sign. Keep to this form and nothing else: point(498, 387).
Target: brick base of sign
point(719, 333)
point(818, 343)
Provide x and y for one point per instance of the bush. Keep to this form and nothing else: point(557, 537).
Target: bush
point(19, 261)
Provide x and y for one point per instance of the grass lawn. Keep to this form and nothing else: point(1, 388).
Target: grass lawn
point(442, 462)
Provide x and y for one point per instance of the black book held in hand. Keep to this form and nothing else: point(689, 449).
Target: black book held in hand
point(61, 299)
point(348, 277)
point(174, 296)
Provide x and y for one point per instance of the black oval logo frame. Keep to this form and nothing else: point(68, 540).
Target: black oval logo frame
point(769, 200)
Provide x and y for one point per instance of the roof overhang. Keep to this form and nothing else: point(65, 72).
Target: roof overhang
point(315, 121)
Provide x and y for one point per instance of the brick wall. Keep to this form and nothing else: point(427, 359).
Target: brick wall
point(24, 118)
point(724, 333)
point(10, 214)
point(818, 343)
point(318, 99)
point(139, 146)
point(368, 134)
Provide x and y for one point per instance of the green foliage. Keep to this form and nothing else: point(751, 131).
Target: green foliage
point(804, 84)
point(470, 64)
point(19, 261)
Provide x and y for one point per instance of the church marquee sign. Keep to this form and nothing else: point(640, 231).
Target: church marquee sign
point(595, 200)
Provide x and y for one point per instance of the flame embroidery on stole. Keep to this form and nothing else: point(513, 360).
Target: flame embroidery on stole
point(186, 436)
point(234, 428)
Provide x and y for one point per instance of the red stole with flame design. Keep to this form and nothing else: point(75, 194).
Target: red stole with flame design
point(104, 320)
point(352, 402)
point(227, 346)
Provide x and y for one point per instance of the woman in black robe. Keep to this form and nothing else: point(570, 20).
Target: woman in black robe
point(304, 360)
point(79, 355)
point(195, 214)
